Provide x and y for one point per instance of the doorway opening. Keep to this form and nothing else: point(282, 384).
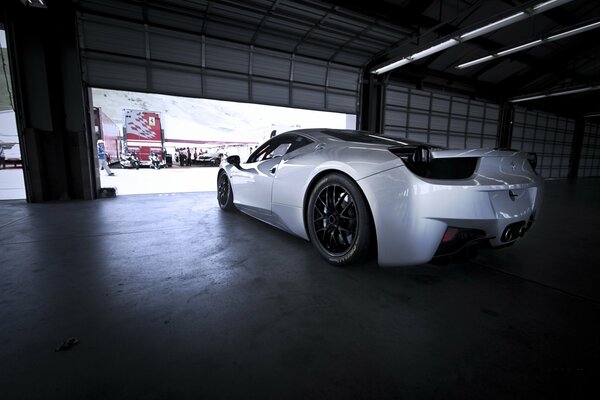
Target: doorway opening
point(12, 182)
point(167, 144)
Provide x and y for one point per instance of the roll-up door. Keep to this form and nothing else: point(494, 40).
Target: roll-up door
point(131, 46)
point(546, 134)
point(444, 120)
point(589, 163)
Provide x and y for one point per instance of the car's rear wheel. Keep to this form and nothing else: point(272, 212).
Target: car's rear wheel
point(339, 223)
point(224, 192)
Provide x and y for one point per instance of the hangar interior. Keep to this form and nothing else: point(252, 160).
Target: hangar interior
point(170, 298)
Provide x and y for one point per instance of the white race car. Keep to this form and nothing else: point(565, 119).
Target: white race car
point(350, 191)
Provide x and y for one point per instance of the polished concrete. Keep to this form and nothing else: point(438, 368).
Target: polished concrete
point(173, 299)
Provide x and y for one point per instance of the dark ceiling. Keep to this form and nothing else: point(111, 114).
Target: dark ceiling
point(366, 33)
point(571, 62)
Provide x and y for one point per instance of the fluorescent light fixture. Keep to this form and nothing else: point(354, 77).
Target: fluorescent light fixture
point(416, 56)
point(493, 26)
point(542, 5)
point(519, 48)
point(592, 115)
point(511, 19)
point(474, 62)
point(572, 91)
point(391, 66)
point(534, 43)
point(521, 99)
point(554, 94)
point(433, 49)
point(575, 31)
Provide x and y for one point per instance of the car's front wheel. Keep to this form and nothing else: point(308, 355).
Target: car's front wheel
point(339, 223)
point(224, 192)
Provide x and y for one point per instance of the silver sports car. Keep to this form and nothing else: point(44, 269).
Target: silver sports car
point(349, 192)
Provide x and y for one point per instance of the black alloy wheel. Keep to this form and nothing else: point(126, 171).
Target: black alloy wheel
point(338, 220)
point(224, 192)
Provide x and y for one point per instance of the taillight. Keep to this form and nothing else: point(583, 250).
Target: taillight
point(416, 158)
point(419, 161)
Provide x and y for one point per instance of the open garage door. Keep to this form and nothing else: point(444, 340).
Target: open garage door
point(154, 49)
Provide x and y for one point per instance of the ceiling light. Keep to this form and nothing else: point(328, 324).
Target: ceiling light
point(511, 19)
point(391, 66)
point(519, 48)
point(575, 31)
point(434, 49)
point(493, 26)
point(554, 94)
point(544, 4)
point(534, 43)
point(476, 61)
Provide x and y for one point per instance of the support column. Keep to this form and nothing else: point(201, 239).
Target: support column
point(505, 125)
point(576, 148)
point(50, 102)
point(372, 101)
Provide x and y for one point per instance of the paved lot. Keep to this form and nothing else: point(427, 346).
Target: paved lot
point(171, 298)
point(12, 186)
point(166, 180)
point(129, 181)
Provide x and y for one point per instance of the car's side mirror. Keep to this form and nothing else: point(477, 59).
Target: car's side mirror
point(234, 160)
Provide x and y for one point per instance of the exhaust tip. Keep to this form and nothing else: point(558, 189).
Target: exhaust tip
point(513, 231)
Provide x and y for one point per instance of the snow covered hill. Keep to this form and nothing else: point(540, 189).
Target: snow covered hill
point(202, 119)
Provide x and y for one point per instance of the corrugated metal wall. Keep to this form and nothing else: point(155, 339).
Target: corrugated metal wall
point(452, 121)
point(548, 135)
point(589, 163)
point(135, 48)
point(459, 122)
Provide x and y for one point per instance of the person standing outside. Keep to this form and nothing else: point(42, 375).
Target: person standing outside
point(189, 157)
point(2, 157)
point(102, 158)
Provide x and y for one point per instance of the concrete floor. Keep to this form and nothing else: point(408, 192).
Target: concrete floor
point(173, 299)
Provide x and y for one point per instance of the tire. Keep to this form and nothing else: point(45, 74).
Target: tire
point(224, 192)
point(339, 222)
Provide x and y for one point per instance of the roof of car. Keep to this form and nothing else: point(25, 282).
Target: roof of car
point(354, 136)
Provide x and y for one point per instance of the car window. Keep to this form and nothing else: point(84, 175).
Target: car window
point(279, 150)
point(277, 147)
point(299, 141)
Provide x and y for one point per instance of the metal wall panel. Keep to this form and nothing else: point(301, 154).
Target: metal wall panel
point(268, 92)
point(176, 53)
point(440, 119)
point(271, 65)
point(308, 97)
point(589, 163)
point(111, 72)
point(176, 82)
point(182, 49)
point(548, 135)
point(122, 38)
point(308, 72)
point(224, 86)
point(221, 55)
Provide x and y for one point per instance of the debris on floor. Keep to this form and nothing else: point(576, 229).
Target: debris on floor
point(67, 344)
point(108, 192)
